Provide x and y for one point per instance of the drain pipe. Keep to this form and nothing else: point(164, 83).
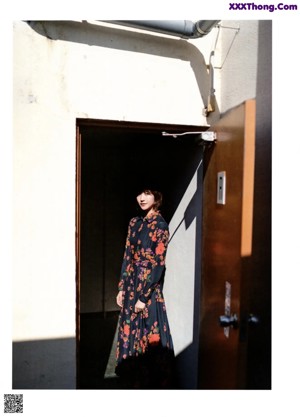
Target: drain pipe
point(185, 29)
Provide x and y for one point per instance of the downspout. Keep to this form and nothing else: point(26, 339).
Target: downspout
point(185, 29)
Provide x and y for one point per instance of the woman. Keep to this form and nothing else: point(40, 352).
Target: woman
point(145, 347)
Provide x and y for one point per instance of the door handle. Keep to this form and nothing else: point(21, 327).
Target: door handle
point(229, 320)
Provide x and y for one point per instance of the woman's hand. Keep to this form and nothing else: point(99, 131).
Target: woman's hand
point(139, 306)
point(119, 298)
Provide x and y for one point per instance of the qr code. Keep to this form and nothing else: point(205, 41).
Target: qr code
point(13, 403)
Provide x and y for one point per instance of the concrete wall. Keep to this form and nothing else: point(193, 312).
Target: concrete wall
point(67, 70)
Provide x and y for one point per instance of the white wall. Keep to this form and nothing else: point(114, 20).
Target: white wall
point(67, 70)
point(180, 274)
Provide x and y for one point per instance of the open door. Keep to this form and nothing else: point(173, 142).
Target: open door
point(228, 191)
point(114, 159)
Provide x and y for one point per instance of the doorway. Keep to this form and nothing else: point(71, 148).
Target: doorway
point(114, 160)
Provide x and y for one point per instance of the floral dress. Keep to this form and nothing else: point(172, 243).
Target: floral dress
point(142, 275)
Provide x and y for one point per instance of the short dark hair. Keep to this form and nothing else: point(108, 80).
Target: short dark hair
point(158, 197)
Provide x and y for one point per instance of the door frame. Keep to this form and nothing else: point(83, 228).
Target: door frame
point(82, 124)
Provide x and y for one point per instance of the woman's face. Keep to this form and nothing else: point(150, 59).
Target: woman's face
point(146, 200)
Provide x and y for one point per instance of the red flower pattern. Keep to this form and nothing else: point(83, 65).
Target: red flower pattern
point(141, 278)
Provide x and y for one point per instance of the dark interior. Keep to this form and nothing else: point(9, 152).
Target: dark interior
point(116, 163)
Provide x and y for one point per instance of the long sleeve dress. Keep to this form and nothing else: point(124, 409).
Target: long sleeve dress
point(142, 276)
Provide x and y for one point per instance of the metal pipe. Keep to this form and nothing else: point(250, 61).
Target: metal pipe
point(185, 29)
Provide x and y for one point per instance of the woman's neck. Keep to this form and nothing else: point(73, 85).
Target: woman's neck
point(151, 213)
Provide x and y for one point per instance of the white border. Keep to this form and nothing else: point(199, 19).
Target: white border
point(283, 398)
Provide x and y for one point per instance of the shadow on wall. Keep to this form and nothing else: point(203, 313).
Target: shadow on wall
point(126, 40)
point(187, 359)
point(260, 337)
point(44, 364)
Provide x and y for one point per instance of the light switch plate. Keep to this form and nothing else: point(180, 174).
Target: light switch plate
point(221, 188)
